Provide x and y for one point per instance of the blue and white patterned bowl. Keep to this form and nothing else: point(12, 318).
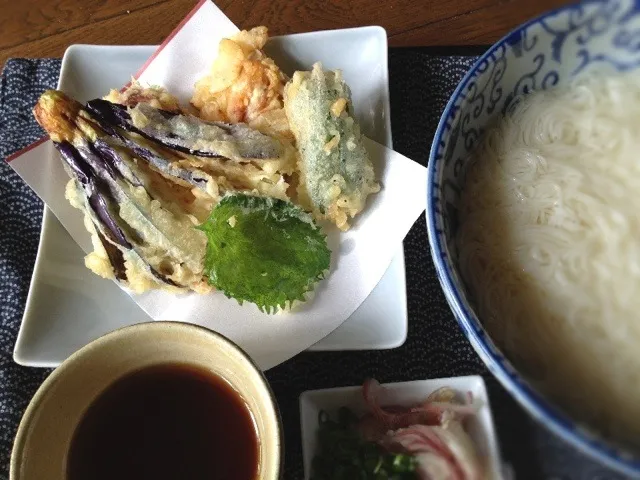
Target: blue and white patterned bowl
point(547, 51)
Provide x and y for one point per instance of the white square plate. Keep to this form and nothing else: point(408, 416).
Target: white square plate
point(68, 306)
point(330, 400)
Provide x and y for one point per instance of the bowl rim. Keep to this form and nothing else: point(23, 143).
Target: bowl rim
point(535, 404)
point(17, 450)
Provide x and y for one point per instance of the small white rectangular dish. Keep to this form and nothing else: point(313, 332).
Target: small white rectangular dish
point(68, 306)
point(481, 427)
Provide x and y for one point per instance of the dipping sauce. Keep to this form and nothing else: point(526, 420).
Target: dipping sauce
point(166, 422)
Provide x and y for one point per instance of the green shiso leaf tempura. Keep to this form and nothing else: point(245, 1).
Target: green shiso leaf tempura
point(263, 250)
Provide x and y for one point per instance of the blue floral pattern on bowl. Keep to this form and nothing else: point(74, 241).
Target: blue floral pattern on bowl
point(597, 35)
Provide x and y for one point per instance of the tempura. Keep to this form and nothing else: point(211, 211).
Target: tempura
point(336, 174)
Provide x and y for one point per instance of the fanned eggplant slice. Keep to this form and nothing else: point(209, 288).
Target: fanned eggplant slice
point(95, 198)
point(153, 225)
point(112, 157)
point(196, 178)
point(189, 134)
point(139, 236)
point(109, 228)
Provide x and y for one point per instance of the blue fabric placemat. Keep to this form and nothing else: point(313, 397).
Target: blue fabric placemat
point(421, 83)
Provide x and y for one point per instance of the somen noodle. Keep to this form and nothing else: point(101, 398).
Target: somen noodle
point(549, 245)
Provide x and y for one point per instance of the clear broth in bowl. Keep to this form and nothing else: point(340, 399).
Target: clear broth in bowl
point(166, 422)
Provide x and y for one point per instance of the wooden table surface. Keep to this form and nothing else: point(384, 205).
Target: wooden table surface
point(45, 28)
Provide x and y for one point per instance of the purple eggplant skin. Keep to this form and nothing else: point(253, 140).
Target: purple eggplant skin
point(149, 155)
point(105, 175)
point(183, 132)
point(164, 278)
point(113, 159)
point(112, 113)
point(84, 173)
point(96, 172)
point(116, 258)
point(158, 161)
point(87, 178)
point(92, 158)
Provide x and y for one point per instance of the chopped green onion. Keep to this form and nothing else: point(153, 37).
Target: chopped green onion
point(343, 454)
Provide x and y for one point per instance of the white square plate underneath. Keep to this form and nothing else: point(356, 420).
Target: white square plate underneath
point(68, 306)
point(405, 394)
